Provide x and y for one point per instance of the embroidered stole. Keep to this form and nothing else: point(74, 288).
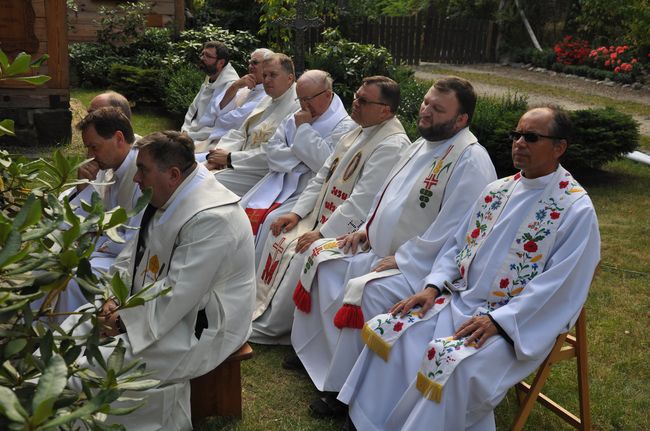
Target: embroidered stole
point(200, 193)
point(423, 205)
point(347, 163)
point(527, 255)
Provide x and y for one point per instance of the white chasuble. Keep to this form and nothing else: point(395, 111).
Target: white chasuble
point(360, 159)
point(198, 121)
point(532, 292)
point(286, 167)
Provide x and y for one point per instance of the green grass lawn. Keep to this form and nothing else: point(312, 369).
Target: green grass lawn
point(618, 311)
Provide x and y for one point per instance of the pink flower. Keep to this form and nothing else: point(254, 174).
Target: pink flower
point(613, 55)
point(607, 63)
point(617, 69)
point(431, 353)
point(504, 283)
point(530, 246)
point(555, 215)
point(398, 326)
point(633, 61)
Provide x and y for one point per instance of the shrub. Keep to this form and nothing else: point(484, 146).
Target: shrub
point(494, 118)
point(572, 51)
point(349, 62)
point(187, 49)
point(601, 135)
point(93, 63)
point(137, 84)
point(182, 85)
point(412, 92)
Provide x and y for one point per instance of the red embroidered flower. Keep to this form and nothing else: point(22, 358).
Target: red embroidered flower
point(564, 184)
point(440, 300)
point(530, 247)
point(462, 271)
point(476, 232)
point(488, 199)
point(555, 215)
point(504, 283)
point(398, 326)
point(517, 175)
point(431, 353)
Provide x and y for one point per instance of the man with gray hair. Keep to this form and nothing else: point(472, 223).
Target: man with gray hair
point(195, 240)
point(298, 149)
point(214, 61)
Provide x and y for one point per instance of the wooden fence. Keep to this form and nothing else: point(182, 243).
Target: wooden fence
point(422, 37)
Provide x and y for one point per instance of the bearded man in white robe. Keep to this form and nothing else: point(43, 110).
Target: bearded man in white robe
point(108, 137)
point(236, 104)
point(297, 151)
point(515, 275)
point(335, 202)
point(194, 240)
point(240, 155)
point(433, 186)
point(214, 61)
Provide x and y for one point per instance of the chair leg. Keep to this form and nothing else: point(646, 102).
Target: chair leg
point(538, 383)
point(583, 376)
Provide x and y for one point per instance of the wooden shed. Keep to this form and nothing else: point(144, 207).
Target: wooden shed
point(83, 22)
point(41, 114)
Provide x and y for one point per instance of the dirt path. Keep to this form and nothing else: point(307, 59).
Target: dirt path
point(573, 83)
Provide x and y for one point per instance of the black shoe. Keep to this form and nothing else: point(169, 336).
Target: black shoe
point(327, 407)
point(292, 362)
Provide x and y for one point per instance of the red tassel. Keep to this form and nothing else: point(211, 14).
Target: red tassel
point(349, 316)
point(302, 299)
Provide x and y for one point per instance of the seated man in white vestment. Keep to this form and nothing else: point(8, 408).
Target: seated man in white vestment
point(241, 154)
point(296, 152)
point(335, 202)
point(514, 275)
point(214, 61)
point(433, 186)
point(108, 138)
point(236, 104)
point(195, 239)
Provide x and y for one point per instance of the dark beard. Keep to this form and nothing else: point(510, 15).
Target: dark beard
point(438, 132)
point(208, 69)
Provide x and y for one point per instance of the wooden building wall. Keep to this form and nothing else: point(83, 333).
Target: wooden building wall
point(83, 27)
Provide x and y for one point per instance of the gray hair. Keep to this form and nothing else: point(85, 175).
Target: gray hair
point(266, 53)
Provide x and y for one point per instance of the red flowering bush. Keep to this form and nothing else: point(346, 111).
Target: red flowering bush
point(572, 51)
point(616, 58)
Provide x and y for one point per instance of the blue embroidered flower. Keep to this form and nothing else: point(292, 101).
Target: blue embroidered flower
point(513, 266)
point(540, 215)
point(534, 266)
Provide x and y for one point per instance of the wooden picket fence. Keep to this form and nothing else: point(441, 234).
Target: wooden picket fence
point(425, 36)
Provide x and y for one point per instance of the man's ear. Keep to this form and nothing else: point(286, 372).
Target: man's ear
point(119, 136)
point(175, 175)
point(462, 120)
point(560, 148)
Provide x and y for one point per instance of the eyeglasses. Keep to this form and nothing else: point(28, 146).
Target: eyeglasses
point(310, 98)
point(363, 101)
point(530, 136)
point(204, 55)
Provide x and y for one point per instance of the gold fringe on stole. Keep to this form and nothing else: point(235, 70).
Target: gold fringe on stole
point(375, 342)
point(428, 388)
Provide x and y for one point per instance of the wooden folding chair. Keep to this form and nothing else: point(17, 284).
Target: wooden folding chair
point(566, 347)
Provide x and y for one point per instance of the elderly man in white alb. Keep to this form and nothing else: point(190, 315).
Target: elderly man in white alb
point(433, 186)
point(214, 61)
point(335, 202)
point(515, 275)
point(298, 149)
point(240, 155)
point(108, 138)
point(236, 103)
point(194, 239)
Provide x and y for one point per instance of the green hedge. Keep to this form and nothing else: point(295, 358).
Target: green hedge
point(182, 85)
point(137, 84)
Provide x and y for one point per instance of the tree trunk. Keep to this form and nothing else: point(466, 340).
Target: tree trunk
point(529, 29)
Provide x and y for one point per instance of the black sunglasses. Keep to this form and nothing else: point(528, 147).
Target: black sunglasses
point(530, 136)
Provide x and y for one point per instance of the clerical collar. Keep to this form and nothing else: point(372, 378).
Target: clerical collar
point(180, 187)
point(124, 166)
point(289, 93)
point(537, 183)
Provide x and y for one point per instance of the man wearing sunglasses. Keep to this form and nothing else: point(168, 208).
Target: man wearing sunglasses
point(335, 202)
point(513, 276)
point(298, 149)
point(420, 203)
point(213, 60)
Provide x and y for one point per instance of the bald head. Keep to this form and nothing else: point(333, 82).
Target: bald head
point(314, 90)
point(111, 98)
